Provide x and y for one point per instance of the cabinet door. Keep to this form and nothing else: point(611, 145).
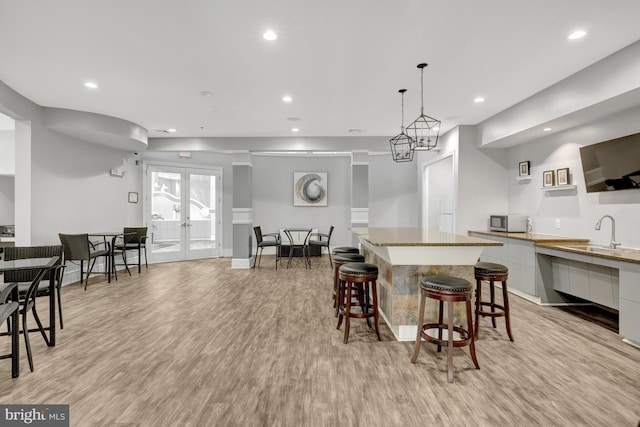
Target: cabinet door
point(560, 274)
point(579, 280)
point(600, 285)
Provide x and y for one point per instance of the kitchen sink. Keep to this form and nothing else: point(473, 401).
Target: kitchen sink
point(602, 249)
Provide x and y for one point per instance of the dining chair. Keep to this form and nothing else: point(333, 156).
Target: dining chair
point(24, 278)
point(7, 309)
point(320, 240)
point(264, 241)
point(133, 239)
point(30, 286)
point(78, 247)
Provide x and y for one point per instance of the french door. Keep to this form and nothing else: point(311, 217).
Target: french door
point(182, 207)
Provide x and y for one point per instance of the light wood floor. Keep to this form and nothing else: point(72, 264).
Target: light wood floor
point(199, 344)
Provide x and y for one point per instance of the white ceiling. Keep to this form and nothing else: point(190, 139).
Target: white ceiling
point(342, 61)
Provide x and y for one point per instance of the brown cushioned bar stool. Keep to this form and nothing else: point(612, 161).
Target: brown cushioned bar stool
point(357, 279)
point(339, 260)
point(492, 272)
point(446, 289)
point(345, 250)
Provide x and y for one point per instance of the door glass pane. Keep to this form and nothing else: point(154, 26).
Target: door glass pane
point(165, 212)
point(202, 211)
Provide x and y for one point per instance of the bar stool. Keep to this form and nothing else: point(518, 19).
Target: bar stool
point(345, 250)
point(364, 277)
point(338, 261)
point(449, 289)
point(492, 272)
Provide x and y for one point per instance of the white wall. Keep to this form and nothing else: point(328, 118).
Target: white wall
point(7, 152)
point(71, 189)
point(394, 200)
point(273, 195)
point(576, 210)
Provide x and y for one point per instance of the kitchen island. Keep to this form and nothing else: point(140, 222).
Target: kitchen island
point(404, 256)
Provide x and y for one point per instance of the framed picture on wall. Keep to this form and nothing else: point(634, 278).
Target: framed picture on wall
point(523, 168)
point(548, 179)
point(310, 189)
point(563, 176)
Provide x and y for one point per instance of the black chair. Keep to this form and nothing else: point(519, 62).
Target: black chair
point(264, 241)
point(133, 239)
point(30, 285)
point(320, 240)
point(8, 309)
point(24, 278)
point(78, 247)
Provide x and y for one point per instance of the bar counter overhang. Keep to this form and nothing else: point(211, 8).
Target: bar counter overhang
point(404, 255)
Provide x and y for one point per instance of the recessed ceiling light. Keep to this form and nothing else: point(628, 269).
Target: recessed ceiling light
point(91, 85)
point(293, 119)
point(269, 35)
point(171, 130)
point(287, 98)
point(577, 35)
point(354, 130)
point(295, 130)
point(478, 100)
point(546, 129)
point(206, 93)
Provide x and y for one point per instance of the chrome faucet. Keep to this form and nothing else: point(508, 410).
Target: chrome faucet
point(613, 244)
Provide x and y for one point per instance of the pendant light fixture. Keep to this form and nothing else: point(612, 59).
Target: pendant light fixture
point(402, 146)
point(424, 130)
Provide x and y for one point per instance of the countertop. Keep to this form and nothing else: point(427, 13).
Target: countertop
point(618, 254)
point(534, 237)
point(572, 245)
point(411, 236)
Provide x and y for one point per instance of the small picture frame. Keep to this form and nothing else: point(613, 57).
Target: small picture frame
point(523, 168)
point(133, 197)
point(548, 179)
point(563, 176)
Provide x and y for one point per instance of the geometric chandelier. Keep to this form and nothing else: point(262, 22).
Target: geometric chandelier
point(424, 130)
point(402, 145)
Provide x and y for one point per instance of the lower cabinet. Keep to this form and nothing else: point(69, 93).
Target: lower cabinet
point(592, 282)
point(519, 256)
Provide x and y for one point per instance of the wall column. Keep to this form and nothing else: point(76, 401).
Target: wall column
point(359, 191)
point(242, 220)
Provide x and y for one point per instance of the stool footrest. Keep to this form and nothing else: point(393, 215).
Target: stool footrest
point(492, 313)
point(465, 336)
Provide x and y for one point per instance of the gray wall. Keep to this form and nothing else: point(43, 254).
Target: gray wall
point(7, 208)
point(273, 195)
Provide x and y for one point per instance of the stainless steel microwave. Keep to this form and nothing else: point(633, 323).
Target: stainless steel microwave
point(508, 223)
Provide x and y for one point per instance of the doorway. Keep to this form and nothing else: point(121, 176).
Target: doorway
point(182, 208)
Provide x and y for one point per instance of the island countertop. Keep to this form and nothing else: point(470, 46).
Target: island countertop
point(412, 236)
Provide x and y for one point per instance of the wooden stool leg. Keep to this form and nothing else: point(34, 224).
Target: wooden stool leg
point(440, 316)
point(450, 341)
point(478, 307)
point(493, 302)
point(472, 346)
point(505, 302)
point(340, 302)
point(416, 349)
point(374, 292)
point(347, 311)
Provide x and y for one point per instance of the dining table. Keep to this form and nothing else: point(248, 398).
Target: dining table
point(302, 243)
point(110, 245)
point(42, 265)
